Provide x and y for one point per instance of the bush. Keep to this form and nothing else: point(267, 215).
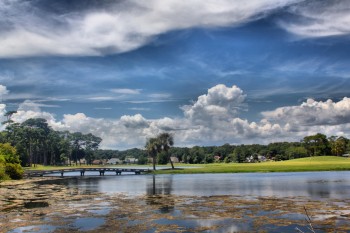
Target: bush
point(15, 171)
point(3, 175)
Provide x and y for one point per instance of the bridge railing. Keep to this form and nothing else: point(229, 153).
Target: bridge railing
point(82, 171)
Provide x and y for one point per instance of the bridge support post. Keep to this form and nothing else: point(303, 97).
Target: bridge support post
point(82, 173)
point(62, 173)
point(102, 173)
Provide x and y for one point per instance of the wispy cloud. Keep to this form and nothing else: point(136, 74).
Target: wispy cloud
point(140, 109)
point(160, 95)
point(149, 101)
point(101, 98)
point(126, 91)
point(116, 29)
point(108, 108)
point(319, 19)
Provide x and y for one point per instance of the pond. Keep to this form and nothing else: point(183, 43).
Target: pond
point(313, 185)
point(245, 202)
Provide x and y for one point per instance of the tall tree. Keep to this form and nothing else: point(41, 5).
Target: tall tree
point(166, 141)
point(338, 145)
point(153, 147)
point(316, 145)
point(38, 130)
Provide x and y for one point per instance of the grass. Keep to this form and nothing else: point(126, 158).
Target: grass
point(321, 163)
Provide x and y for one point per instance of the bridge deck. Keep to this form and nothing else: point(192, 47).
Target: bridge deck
point(118, 171)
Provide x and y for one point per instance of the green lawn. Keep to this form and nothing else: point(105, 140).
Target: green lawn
point(321, 163)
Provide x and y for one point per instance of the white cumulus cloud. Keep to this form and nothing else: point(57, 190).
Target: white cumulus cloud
point(312, 113)
point(220, 102)
point(212, 119)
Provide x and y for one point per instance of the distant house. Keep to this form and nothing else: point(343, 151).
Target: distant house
point(256, 158)
point(114, 161)
point(346, 155)
point(174, 159)
point(131, 160)
point(261, 158)
point(217, 158)
point(82, 161)
point(99, 162)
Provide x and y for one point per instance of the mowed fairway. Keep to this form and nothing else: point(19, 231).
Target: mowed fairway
point(320, 163)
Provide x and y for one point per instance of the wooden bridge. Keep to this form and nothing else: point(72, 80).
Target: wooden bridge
point(101, 171)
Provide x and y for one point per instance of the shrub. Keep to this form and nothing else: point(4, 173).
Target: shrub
point(15, 171)
point(3, 175)
point(9, 153)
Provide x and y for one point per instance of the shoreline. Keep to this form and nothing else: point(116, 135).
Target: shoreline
point(314, 164)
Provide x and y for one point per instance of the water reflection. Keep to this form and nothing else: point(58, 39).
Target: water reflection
point(158, 191)
point(159, 185)
point(316, 190)
point(316, 185)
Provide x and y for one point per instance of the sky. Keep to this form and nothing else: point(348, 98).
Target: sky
point(209, 72)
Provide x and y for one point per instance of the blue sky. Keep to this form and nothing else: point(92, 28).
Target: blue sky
point(210, 72)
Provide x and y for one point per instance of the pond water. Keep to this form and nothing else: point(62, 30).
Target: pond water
point(315, 185)
point(244, 202)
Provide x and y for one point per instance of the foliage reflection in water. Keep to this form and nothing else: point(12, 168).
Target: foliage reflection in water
point(271, 202)
point(315, 185)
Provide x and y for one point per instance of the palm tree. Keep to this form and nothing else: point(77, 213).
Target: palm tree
point(166, 141)
point(153, 147)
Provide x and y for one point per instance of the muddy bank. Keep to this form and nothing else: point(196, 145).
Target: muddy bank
point(70, 210)
point(29, 193)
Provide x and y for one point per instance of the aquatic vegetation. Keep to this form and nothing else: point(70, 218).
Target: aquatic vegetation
point(70, 209)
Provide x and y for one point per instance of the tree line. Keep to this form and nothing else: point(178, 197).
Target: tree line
point(37, 143)
point(313, 145)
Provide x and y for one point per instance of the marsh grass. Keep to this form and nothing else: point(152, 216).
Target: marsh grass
point(309, 222)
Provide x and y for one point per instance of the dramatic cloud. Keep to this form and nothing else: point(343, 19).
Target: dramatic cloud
point(136, 121)
point(320, 19)
point(221, 102)
point(211, 119)
point(313, 113)
point(114, 29)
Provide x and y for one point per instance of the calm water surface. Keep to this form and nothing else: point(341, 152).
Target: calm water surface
point(245, 202)
point(314, 185)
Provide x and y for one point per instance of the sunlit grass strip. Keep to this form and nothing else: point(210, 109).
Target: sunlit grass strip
point(322, 163)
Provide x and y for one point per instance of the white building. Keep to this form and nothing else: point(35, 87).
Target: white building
point(114, 161)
